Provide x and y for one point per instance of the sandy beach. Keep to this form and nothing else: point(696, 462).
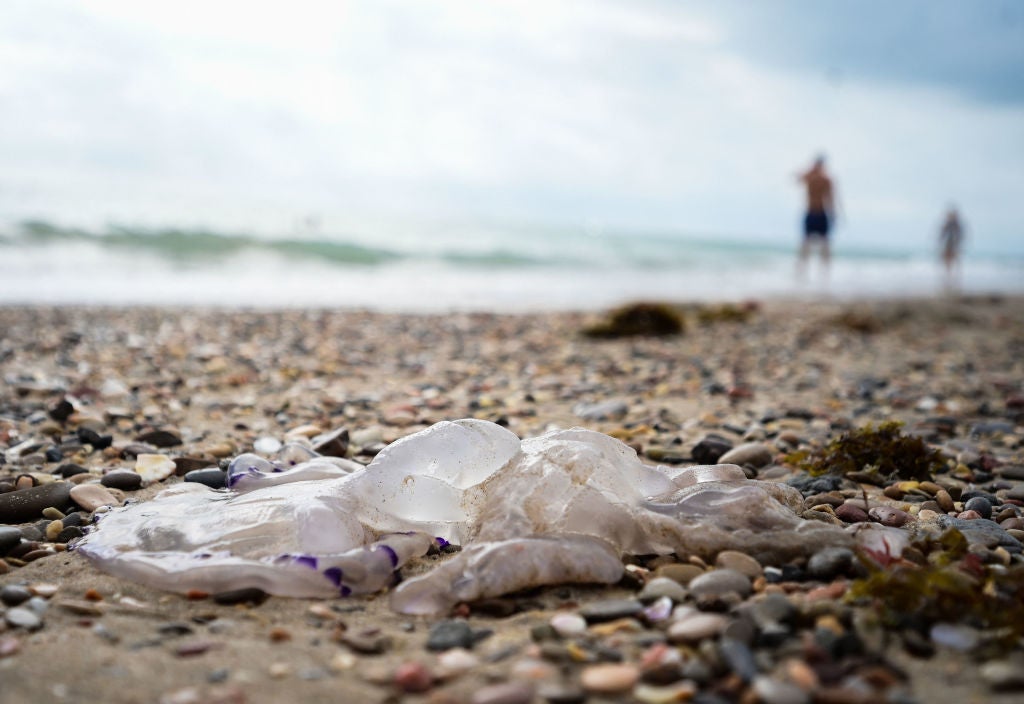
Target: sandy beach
point(203, 385)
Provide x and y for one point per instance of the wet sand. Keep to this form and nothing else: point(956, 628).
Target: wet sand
point(220, 379)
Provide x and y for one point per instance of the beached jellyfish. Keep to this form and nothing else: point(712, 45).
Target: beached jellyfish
point(562, 507)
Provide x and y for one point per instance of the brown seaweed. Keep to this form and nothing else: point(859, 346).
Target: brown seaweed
point(883, 451)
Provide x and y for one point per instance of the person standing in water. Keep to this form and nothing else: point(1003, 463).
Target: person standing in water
point(820, 213)
point(951, 238)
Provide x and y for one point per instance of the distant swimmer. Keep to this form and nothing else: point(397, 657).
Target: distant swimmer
point(951, 239)
point(820, 212)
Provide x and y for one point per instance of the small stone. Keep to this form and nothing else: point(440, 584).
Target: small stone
point(721, 581)
point(739, 657)
point(14, 594)
point(123, 479)
point(889, 516)
point(829, 563)
point(944, 500)
point(610, 610)
point(979, 505)
point(663, 587)
point(752, 454)
point(247, 595)
point(9, 537)
point(710, 449)
point(20, 617)
point(681, 573)
point(9, 645)
point(266, 445)
point(1003, 675)
point(695, 626)
point(454, 633)
point(370, 641)
point(412, 677)
point(665, 694)
point(70, 470)
point(53, 514)
point(568, 625)
point(332, 444)
point(213, 477)
point(160, 438)
point(563, 693)
point(609, 678)
point(605, 410)
point(958, 637)
point(91, 496)
point(53, 529)
point(454, 662)
point(505, 693)
point(848, 513)
point(28, 504)
point(154, 468)
point(184, 465)
point(773, 691)
point(740, 562)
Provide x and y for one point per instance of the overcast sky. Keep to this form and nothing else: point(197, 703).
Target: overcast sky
point(675, 116)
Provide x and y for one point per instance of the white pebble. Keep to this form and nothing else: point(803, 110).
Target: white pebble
point(267, 445)
point(154, 468)
point(569, 625)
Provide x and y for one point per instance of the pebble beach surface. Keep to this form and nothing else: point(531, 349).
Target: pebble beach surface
point(99, 407)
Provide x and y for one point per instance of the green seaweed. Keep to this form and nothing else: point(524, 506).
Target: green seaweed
point(953, 586)
point(648, 319)
point(883, 451)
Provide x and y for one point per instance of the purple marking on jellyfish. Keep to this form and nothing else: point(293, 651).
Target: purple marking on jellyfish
point(306, 561)
point(440, 542)
point(392, 555)
point(345, 591)
point(334, 574)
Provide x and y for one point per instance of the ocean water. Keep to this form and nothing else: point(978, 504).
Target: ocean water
point(434, 268)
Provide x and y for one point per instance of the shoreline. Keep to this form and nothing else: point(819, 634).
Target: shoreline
point(220, 378)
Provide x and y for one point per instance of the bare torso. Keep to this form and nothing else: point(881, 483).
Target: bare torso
point(819, 191)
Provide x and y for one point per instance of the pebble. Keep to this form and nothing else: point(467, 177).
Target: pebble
point(213, 477)
point(160, 438)
point(504, 693)
point(773, 691)
point(332, 444)
point(610, 610)
point(609, 678)
point(848, 513)
point(9, 537)
point(266, 445)
point(890, 516)
point(740, 562)
point(979, 505)
point(721, 581)
point(828, 563)
point(569, 625)
point(679, 572)
point(753, 454)
point(696, 626)
point(14, 594)
point(70, 470)
point(456, 661)
point(154, 468)
point(28, 504)
point(710, 449)
point(413, 677)
point(454, 633)
point(955, 636)
point(605, 410)
point(662, 587)
point(123, 479)
point(1003, 675)
point(91, 496)
point(20, 617)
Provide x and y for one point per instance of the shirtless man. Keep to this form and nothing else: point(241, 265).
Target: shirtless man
point(820, 212)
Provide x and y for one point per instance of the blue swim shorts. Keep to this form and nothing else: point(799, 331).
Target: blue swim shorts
point(816, 224)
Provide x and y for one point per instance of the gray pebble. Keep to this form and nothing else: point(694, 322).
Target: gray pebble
point(829, 563)
point(610, 610)
point(739, 658)
point(20, 617)
point(1003, 675)
point(14, 594)
point(212, 477)
point(9, 537)
point(721, 581)
point(605, 410)
point(446, 635)
point(754, 454)
point(663, 586)
point(981, 505)
point(773, 691)
point(123, 479)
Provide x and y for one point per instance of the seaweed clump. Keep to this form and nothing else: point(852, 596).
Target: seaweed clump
point(883, 451)
point(639, 319)
point(953, 585)
point(726, 313)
